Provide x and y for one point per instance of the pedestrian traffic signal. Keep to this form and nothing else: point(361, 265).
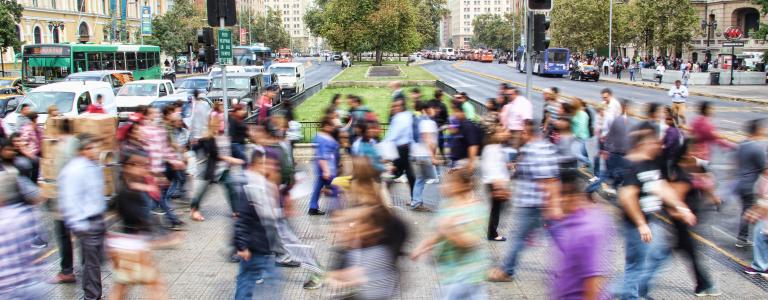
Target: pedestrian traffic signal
point(218, 9)
point(540, 36)
point(210, 55)
point(545, 5)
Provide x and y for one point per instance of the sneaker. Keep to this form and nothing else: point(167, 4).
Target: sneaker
point(39, 244)
point(177, 226)
point(401, 179)
point(713, 291)
point(421, 208)
point(316, 212)
point(753, 271)
point(234, 258)
point(260, 281)
point(742, 244)
point(62, 278)
point(288, 264)
point(158, 211)
point(313, 283)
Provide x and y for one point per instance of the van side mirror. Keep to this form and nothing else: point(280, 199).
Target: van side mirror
point(298, 75)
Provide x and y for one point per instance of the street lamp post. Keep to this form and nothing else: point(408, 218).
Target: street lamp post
point(709, 26)
point(57, 25)
point(610, 35)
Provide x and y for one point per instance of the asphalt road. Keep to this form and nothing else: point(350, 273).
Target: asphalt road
point(717, 227)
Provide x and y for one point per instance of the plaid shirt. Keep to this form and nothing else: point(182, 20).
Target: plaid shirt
point(18, 227)
point(158, 147)
point(537, 161)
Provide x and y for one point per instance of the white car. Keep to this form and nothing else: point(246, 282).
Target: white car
point(71, 98)
point(141, 92)
point(290, 77)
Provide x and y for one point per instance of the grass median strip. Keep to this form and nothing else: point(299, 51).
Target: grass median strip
point(358, 73)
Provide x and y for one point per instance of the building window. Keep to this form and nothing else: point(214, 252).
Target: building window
point(53, 4)
point(81, 5)
point(19, 35)
point(38, 35)
point(82, 31)
point(55, 34)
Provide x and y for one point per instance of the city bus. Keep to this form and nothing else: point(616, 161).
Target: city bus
point(48, 63)
point(552, 61)
point(254, 55)
point(284, 55)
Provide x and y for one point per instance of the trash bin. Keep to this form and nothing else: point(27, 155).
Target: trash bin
point(714, 78)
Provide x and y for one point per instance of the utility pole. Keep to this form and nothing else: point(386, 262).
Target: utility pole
point(224, 82)
point(528, 50)
point(610, 36)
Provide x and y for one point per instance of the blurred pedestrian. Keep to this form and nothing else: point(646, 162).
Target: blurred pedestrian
point(466, 138)
point(424, 153)
point(66, 149)
point(514, 115)
point(401, 134)
point(19, 267)
point(98, 106)
point(441, 118)
point(457, 242)
point(494, 163)
point(82, 206)
point(750, 164)
point(326, 165)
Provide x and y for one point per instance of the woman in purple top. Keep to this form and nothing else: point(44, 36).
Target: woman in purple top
point(326, 163)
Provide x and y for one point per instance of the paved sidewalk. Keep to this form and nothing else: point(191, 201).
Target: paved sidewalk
point(198, 269)
point(746, 93)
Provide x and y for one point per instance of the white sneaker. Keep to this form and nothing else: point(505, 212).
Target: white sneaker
point(433, 181)
point(401, 179)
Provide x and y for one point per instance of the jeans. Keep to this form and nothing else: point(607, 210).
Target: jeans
point(528, 220)
point(92, 251)
point(658, 254)
point(203, 187)
point(258, 267)
point(464, 291)
point(615, 165)
point(426, 172)
point(631, 75)
point(65, 247)
point(579, 150)
point(747, 201)
point(238, 151)
point(760, 249)
point(639, 267)
point(319, 184)
point(163, 203)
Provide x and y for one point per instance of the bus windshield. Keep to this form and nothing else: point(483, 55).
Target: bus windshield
point(244, 56)
point(46, 69)
point(145, 89)
point(40, 101)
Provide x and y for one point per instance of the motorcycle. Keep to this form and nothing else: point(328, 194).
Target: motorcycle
point(170, 74)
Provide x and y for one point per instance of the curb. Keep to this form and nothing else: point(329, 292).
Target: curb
point(710, 95)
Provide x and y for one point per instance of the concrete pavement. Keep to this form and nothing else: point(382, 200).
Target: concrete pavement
point(757, 94)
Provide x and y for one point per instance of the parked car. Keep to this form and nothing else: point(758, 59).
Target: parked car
point(141, 92)
point(8, 105)
point(197, 83)
point(186, 109)
point(585, 72)
point(243, 88)
point(116, 78)
point(70, 98)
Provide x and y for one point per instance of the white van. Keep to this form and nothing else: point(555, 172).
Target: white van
point(71, 98)
point(290, 77)
point(216, 71)
point(141, 92)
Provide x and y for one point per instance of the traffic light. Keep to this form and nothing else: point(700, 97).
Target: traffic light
point(205, 36)
point(540, 36)
point(210, 55)
point(222, 9)
point(541, 5)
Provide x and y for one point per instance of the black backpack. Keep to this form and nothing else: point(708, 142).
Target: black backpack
point(591, 122)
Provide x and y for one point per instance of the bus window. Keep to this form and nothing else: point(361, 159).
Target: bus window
point(79, 62)
point(94, 61)
point(108, 60)
point(142, 58)
point(130, 61)
point(150, 60)
point(120, 61)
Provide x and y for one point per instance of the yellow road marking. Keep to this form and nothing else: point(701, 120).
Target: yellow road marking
point(709, 243)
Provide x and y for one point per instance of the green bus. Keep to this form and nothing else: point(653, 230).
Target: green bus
point(47, 63)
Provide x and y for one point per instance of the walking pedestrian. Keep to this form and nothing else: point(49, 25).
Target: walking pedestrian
point(21, 268)
point(679, 94)
point(441, 118)
point(514, 115)
point(461, 256)
point(466, 139)
point(66, 149)
point(536, 194)
point(495, 175)
point(424, 154)
point(326, 165)
point(400, 133)
point(82, 206)
point(750, 163)
point(614, 140)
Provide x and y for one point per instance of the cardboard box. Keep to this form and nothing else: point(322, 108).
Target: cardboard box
point(109, 181)
point(48, 169)
point(48, 189)
point(100, 125)
point(48, 147)
point(53, 127)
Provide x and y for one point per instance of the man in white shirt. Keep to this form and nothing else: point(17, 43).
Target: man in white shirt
point(679, 94)
point(514, 114)
point(660, 69)
point(612, 111)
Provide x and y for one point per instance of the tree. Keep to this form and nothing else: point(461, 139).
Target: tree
point(368, 25)
point(762, 32)
point(493, 31)
point(431, 13)
point(270, 30)
point(10, 15)
point(580, 25)
point(176, 28)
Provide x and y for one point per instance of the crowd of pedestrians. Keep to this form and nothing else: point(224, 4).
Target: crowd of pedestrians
point(482, 158)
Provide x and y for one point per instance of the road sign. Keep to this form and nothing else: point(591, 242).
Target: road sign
point(733, 44)
point(733, 33)
point(146, 20)
point(242, 36)
point(225, 46)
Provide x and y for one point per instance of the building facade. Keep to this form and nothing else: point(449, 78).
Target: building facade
point(78, 21)
point(292, 12)
point(458, 25)
point(743, 14)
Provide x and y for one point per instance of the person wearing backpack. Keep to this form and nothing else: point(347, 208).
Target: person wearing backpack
point(423, 154)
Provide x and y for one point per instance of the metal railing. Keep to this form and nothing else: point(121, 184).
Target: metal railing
point(450, 90)
point(295, 101)
point(309, 130)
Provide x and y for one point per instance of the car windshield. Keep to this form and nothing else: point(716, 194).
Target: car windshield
point(6, 82)
point(194, 84)
point(283, 71)
point(145, 89)
point(239, 83)
point(83, 78)
point(40, 101)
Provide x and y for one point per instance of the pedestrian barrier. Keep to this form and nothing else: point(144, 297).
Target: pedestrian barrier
point(295, 101)
point(309, 130)
point(450, 90)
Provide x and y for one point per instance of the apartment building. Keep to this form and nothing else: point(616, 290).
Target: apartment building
point(293, 12)
point(457, 27)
